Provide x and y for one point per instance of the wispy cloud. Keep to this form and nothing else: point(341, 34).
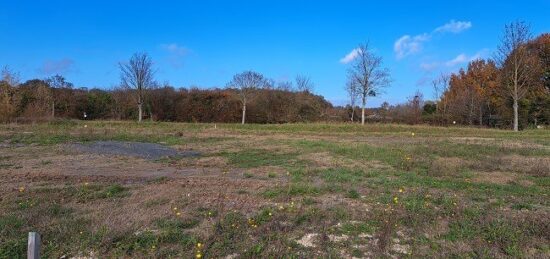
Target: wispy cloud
point(175, 53)
point(408, 45)
point(350, 56)
point(175, 49)
point(454, 27)
point(51, 67)
point(461, 58)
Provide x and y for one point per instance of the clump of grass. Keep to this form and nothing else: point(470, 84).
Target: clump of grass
point(114, 191)
point(90, 192)
point(173, 231)
point(353, 194)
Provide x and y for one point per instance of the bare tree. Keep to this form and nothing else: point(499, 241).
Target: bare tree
point(441, 86)
point(518, 66)
point(304, 84)
point(246, 83)
point(367, 72)
point(138, 74)
point(9, 76)
point(352, 88)
point(285, 86)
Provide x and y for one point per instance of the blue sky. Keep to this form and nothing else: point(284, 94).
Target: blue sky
point(204, 43)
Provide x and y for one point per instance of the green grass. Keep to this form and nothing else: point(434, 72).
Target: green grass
point(443, 203)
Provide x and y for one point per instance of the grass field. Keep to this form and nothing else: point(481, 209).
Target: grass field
point(272, 191)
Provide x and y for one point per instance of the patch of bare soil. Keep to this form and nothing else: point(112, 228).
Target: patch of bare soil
point(446, 166)
point(495, 177)
point(324, 160)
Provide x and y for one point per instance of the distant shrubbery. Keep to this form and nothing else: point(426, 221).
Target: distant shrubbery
point(37, 100)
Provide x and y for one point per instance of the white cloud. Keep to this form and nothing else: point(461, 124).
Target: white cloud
point(175, 49)
point(407, 45)
point(458, 60)
point(454, 27)
point(463, 58)
point(350, 56)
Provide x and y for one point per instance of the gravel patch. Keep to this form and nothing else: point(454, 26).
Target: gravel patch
point(149, 151)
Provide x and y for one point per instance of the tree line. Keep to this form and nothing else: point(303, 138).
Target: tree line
point(512, 90)
point(139, 97)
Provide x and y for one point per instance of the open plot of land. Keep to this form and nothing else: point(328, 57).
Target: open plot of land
point(252, 191)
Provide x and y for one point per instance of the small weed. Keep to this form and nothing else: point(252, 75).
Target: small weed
point(353, 194)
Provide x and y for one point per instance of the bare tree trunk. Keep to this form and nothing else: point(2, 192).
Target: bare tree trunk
point(352, 113)
point(140, 111)
point(470, 117)
point(363, 111)
point(516, 120)
point(53, 110)
point(481, 115)
point(244, 113)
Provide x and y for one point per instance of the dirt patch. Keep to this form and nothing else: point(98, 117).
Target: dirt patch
point(446, 166)
point(308, 240)
point(324, 160)
point(136, 149)
point(495, 177)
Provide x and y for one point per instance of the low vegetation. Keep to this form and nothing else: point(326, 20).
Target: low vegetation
point(297, 191)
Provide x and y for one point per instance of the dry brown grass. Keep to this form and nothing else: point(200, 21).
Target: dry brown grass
point(447, 166)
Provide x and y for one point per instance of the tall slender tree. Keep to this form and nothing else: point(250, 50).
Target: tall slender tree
point(246, 83)
point(367, 72)
point(518, 64)
point(138, 74)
